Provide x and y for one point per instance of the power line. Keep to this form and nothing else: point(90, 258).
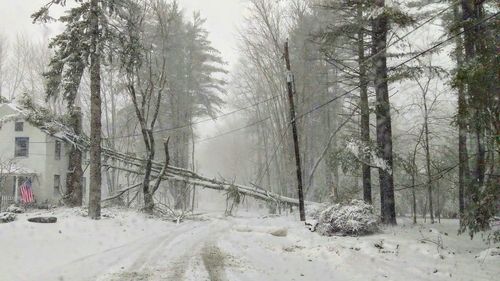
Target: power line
point(187, 125)
point(226, 133)
point(234, 131)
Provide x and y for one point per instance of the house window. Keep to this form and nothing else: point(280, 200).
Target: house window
point(58, 150)
point(57, 185)
point(22, 147)
point(19, 126)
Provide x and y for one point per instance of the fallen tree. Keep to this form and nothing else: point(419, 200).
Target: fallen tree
point(55, 127)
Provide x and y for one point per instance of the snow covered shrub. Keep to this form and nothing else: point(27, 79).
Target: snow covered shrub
point(353, 219)
point(14, 209)
point(7, 217)
point(314, 210)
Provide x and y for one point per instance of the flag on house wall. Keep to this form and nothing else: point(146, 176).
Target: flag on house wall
point(27, 195)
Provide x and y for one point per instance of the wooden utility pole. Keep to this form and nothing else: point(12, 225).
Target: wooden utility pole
point(290, 86)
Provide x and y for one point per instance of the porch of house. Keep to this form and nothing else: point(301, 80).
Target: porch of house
point(9, 186)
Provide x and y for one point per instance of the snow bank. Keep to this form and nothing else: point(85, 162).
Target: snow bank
point(492, 253)
point(353, 219)
point(274, 231)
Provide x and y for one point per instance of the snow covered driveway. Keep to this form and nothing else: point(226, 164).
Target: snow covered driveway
point(129, 246)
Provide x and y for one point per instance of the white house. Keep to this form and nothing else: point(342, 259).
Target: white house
point(27, 151)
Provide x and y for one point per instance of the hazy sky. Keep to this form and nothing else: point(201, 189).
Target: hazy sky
point(222, 17)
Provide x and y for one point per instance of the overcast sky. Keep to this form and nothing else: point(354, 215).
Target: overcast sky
point(222, 18)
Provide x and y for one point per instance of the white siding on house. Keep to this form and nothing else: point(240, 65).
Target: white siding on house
point(41, 158)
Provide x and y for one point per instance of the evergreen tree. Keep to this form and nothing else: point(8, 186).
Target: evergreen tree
point(477, 76)
point(80, 47)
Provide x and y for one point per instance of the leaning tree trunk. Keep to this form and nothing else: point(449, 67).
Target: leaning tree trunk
point(95, 115)
point(384, 127)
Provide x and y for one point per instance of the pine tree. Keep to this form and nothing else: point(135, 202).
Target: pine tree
point(478, 76)
point(380, 28)
point(80, 47)
point(64, 76)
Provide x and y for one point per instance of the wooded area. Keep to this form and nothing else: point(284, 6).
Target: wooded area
point(395, 103)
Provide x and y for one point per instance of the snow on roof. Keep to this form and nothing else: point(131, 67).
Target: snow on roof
point(45, 121)
point(11, 112)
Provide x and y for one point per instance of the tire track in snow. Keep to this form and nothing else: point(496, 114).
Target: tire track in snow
point(109, 262)
point(193, 250)
point(214, 261)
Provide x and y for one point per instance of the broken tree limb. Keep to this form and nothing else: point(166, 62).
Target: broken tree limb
point(121, 192)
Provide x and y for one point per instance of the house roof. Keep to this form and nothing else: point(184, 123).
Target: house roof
point(10, 112)
point(36, 117)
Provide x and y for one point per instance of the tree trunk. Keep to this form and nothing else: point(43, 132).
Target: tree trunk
point(428, 159)
point(414, 198)
point(95, 115)
point(470, 53)
point(74, 195)
point(463, 168)
point(384, 127)
point(365, 111)
point(148, 196)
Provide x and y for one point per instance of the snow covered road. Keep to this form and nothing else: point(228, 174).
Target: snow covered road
point(128, 246)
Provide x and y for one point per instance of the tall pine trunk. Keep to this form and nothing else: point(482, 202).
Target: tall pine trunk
point(383, 112)
point(95, 115)
point(365, 110)
point(463, 167)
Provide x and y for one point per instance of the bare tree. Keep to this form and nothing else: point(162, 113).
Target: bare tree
point(145, 69)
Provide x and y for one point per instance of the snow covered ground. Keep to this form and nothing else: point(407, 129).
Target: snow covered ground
point(126, 245)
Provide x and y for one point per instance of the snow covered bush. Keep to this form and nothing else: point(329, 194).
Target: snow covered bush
point(14, 209)
point(7, 217)
point(353, 219)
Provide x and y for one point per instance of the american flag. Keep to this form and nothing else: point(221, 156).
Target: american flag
point(27, 195)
